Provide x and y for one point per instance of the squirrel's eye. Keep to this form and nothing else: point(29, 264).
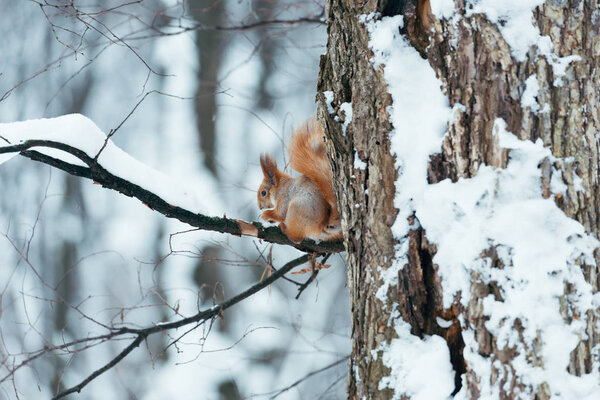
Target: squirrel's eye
point(263, 193)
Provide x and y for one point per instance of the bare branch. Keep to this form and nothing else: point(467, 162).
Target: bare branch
point(299, 381)
point(258, 24)
point(76, 389)
point(312, 277)
point(197, 319)
point(178, 30)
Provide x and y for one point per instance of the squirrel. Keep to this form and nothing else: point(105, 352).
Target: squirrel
point(306, 206)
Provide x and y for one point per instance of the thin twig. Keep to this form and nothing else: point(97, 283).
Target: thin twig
point(76, 389)
point(312, 277)
point(305, 377)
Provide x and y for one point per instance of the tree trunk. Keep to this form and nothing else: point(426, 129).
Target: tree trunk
point(211, 48)
point(487, 73)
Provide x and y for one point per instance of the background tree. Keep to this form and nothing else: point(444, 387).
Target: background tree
point(115, 268)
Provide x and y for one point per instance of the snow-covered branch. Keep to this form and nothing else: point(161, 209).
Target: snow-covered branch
point(74, 144)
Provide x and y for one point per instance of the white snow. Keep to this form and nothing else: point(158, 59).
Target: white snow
point(514, 19)
point(419, 110)
point(442, 8)
point(389, 276)
point(328, 100)
point(347, 109)
point(358, 163)
point(420, 368)
point(443, 323)
point(81, 133)
point(528, 99)
point(557, 184)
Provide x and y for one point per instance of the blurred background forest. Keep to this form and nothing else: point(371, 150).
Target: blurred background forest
point(197, 89)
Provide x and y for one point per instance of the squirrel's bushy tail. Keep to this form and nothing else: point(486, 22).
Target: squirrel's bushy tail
point(308, 155)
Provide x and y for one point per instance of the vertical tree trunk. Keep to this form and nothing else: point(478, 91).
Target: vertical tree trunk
point(366, 195)
point(211, 47)
point(486, 75)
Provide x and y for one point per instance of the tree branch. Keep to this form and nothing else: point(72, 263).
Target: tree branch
point(312, 276)
point(317, 19)
point(299, 381)
point(97, 173)
point(202, 316)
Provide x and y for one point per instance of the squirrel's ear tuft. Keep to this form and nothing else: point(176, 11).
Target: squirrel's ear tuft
point(269, 168)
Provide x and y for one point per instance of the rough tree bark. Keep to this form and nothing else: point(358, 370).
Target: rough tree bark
point(476, 68)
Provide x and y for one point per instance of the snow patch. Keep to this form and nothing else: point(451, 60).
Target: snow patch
point(557, 185)
point(389, 276)
point(329, 100)
point(442, 9)
point(415, 363)
point(528, 99)
point(443, 323)
point(419, 110)
point(515, 21)
point(81, 133)
point(358, 163)
point(347, 109)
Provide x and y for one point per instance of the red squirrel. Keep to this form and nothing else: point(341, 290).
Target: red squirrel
point(306, 206)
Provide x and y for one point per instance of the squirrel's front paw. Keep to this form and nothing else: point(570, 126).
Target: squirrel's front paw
point(269, 217)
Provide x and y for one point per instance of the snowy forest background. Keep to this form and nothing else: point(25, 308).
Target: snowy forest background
point(199, 104)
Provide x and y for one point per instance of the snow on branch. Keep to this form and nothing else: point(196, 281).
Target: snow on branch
point(74, 144)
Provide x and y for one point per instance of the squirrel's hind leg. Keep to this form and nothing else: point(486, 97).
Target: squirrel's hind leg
point(302, 222)
point(294, 233)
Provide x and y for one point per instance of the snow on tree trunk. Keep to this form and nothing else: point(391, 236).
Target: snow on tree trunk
point(468, 183)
